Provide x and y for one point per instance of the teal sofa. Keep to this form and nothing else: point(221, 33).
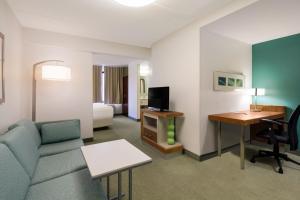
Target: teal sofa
point(43, 161)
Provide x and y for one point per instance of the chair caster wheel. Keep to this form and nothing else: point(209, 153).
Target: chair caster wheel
point(253, 160)
point(280, 171)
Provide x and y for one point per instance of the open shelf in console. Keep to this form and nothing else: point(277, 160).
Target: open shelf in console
point(150, 122)
point(154, 128)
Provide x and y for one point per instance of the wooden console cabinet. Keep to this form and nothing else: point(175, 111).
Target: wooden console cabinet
point(154, 128)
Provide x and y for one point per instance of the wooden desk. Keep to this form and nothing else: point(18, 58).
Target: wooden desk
point(243, 118)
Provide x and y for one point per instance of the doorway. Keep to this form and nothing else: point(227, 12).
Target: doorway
point(125, 96)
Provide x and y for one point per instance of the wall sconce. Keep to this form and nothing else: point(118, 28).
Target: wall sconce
point(145, 70)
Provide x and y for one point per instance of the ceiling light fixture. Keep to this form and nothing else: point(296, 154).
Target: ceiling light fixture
point(135, 3)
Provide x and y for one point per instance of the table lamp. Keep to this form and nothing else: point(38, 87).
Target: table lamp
point(51, 70)
point(257, 92)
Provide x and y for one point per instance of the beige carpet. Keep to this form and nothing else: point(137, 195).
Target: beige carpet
point(181, 177)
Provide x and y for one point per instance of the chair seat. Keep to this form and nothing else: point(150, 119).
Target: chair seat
point(75, 186)
point(281, 138)
point(54, 166)
point(55, 148)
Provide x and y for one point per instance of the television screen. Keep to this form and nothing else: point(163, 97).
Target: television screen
point(158, 98)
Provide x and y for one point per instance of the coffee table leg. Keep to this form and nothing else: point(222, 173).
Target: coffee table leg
point(107, 187)
point(119, 185)
point(120, 194)
point(130, 183)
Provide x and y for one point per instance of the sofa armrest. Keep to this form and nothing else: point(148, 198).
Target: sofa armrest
point(59, 131)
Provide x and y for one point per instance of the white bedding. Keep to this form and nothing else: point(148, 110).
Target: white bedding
point(102, 115)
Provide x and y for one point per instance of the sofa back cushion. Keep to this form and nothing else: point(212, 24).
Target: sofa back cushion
point(14, 181)
point(60, 131)
point(23, 146)
point(30, 125)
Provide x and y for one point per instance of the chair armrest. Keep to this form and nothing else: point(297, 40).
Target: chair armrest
point(270, 121)
point(282, 121)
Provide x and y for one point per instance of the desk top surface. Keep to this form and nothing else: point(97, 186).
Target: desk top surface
point(245, 117)
point(111, 157)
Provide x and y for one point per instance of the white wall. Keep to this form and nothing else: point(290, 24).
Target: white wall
point(219, 53)
point(134, 96)
point(63, 100)
point(105, 59)
point(85, 44)
point(14, 107)
point(176, 63)
point(133, 88)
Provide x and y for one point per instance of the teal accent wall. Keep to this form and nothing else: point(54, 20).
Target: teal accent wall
point(276, 67)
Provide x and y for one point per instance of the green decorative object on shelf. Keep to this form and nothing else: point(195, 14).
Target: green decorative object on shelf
point(171, 131)
point(171, 141)
point(171, 127)
point(171, 134)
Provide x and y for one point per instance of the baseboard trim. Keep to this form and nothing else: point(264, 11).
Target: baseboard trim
point(101, 128)
point(215, 153)
point(119, 114)
point(191, 154)
point(208, 155)
point(134, 119)
point(88, 140)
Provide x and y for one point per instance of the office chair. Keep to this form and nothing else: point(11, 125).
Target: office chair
point(277, 136)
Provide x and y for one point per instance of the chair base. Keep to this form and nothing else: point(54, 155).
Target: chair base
point(277, 156)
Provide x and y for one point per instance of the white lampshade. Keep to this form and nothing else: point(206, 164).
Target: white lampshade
point(55, 73)
point(258, 91)
point(145, 69)
point(135, 3)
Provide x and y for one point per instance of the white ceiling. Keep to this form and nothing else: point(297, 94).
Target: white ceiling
point(261, 21)
point(110, 21)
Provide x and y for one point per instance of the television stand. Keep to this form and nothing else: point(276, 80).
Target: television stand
point(159, 130)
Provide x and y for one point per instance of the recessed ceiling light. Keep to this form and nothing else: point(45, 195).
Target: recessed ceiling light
point(135, 3)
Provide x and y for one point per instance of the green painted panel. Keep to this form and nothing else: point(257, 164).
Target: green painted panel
point(276, 67)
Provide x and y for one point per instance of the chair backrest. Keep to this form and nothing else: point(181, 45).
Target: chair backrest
point(292, 129)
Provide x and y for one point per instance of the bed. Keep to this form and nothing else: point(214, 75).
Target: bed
point(102, 115)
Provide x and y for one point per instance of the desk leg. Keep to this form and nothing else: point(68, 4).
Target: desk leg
point(219, 138)
point(130, 184)
point(242, 147)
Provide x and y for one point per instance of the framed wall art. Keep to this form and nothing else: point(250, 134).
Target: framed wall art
point(226, 81)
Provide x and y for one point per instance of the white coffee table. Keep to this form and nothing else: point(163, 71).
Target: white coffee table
point(108, 158)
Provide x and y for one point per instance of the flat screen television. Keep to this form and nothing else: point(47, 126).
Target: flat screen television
point(158, 98)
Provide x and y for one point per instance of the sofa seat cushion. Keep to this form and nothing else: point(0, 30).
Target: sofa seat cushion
point(50, 167)
point(14, 181)
point(55, 148)
point(23, 146)
point(76, 186)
